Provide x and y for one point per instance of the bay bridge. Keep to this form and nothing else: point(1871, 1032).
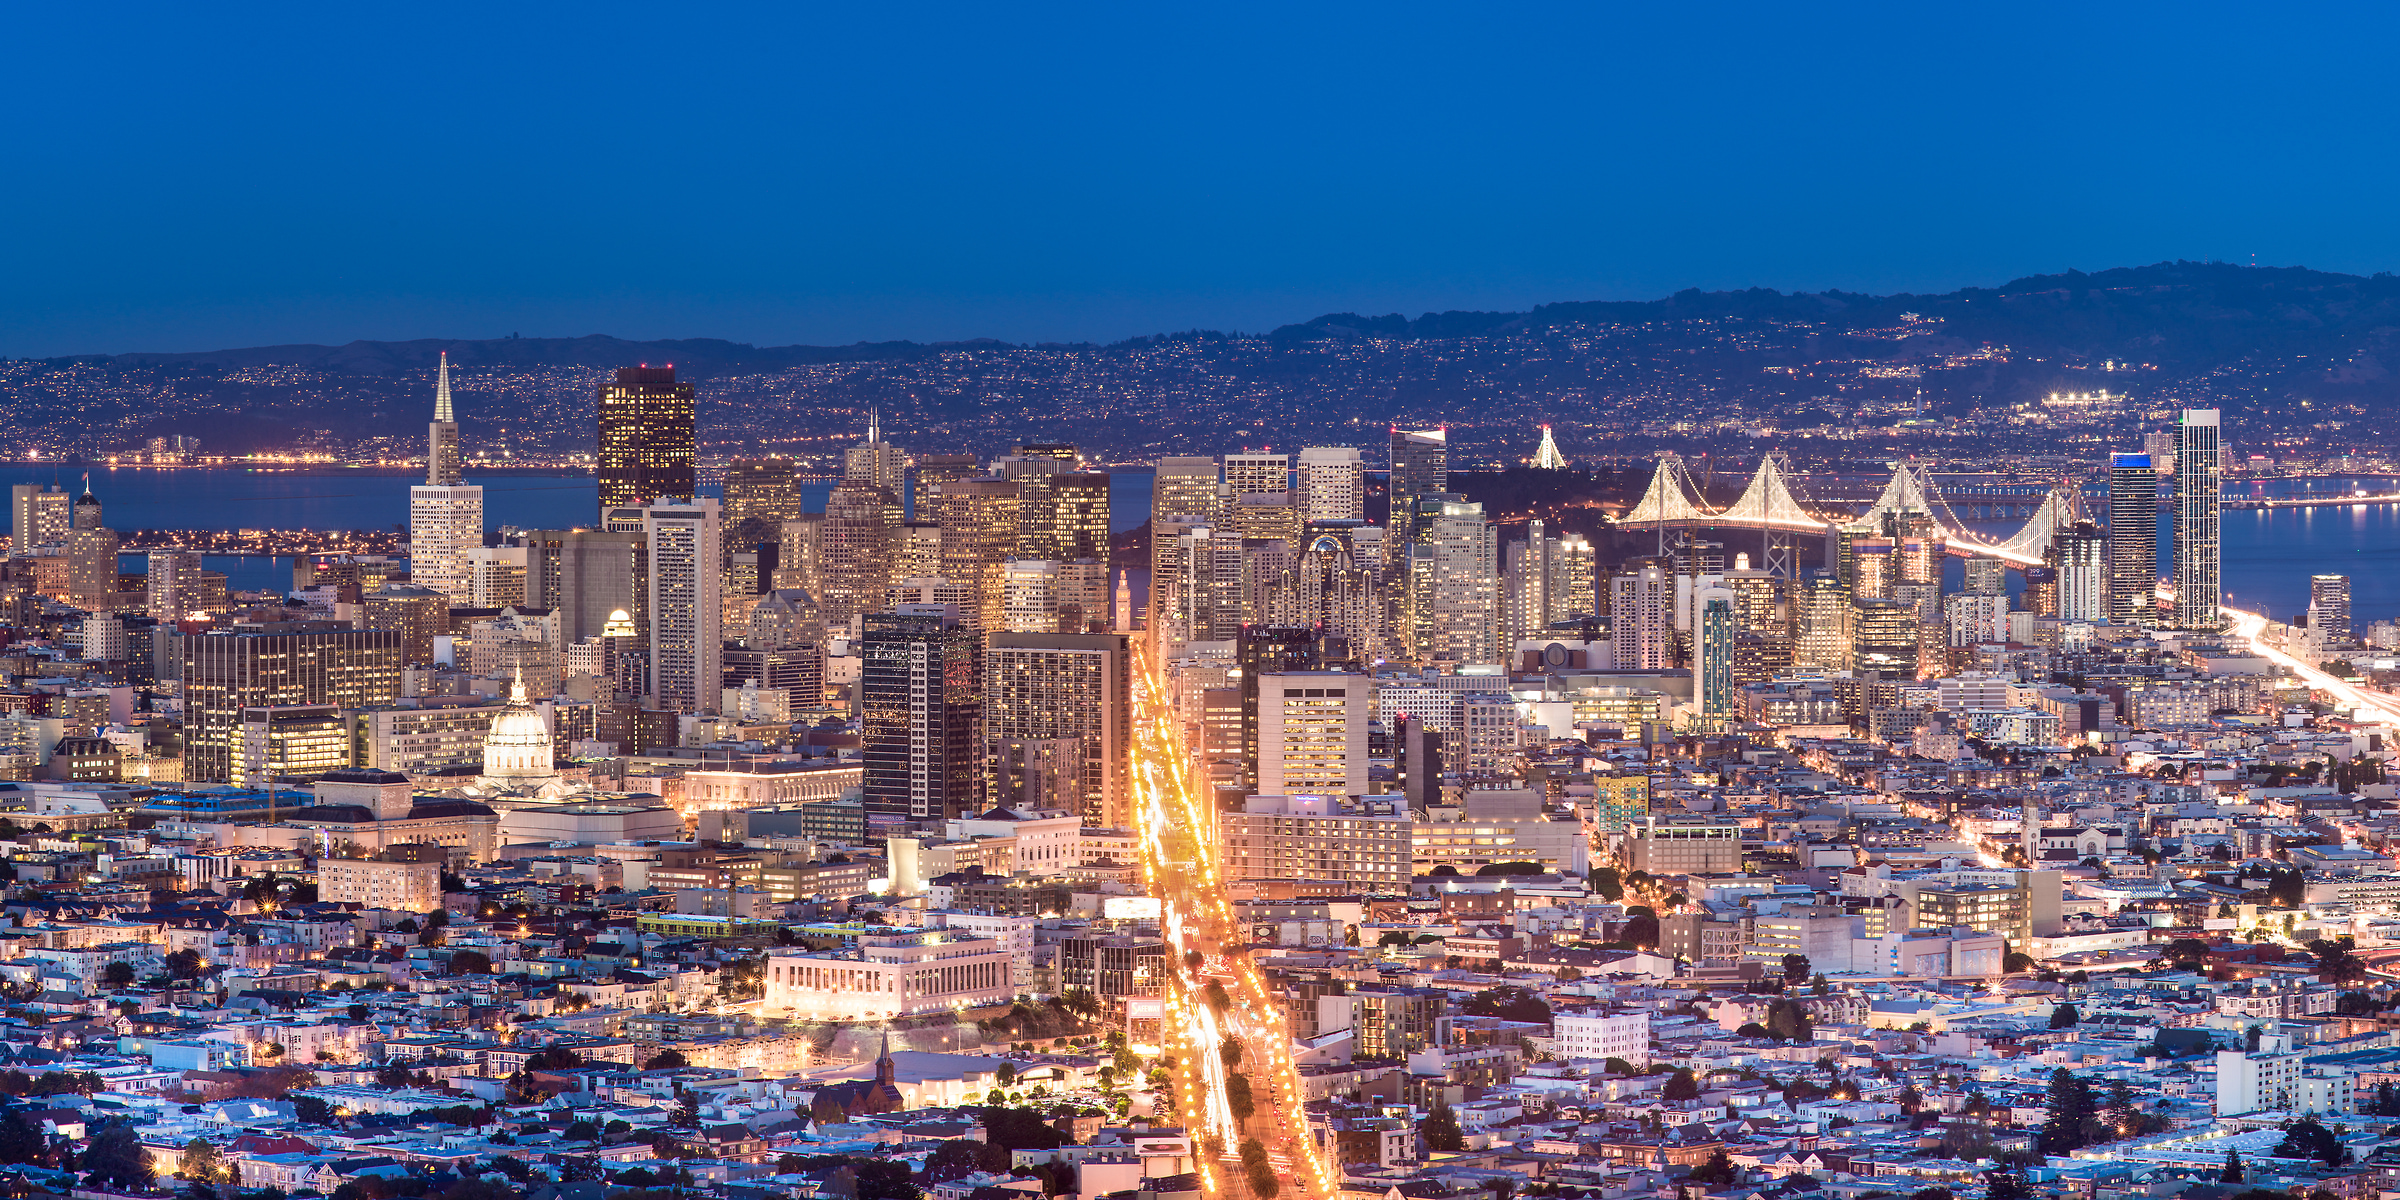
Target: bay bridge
point(1777, 504)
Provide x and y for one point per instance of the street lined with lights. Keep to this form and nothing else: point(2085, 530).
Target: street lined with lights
point(1176, 833)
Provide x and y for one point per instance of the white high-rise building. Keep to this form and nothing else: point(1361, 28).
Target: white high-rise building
point(1042, 596)
point(1255, 474)
point(687, 646)
point(1184, 487)
point(1642, 617)
point(2199, 547)
point(445, 524)
point(496, 576)
point(1974, 618)
point(445, 517)
point(1332, 484)
point(1454, 588)
point(42, 517)
point(175, 587)
point(1545, 580)
point(1312, 733)
point(2083, 575)
point(105, 639)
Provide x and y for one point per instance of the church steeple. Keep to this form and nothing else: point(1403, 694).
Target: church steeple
point(883, 1095)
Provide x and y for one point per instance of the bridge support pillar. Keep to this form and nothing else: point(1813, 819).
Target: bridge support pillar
point(1777, 555)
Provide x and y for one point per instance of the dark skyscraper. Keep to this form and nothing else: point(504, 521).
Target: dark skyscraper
point(1420, 464)
point(276, 665)
point(920, 698)
point(646, 437)
point(2132, 539)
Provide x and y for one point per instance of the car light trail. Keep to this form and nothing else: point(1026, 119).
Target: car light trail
point(1175, 831)
point(2252, 628)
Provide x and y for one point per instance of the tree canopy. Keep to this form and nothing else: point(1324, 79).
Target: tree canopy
point(1509, 1003)
point(1441, 1132)
point(2308, 1139)
point(1510, 868)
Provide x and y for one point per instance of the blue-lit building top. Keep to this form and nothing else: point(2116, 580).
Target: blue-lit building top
point(224, 802)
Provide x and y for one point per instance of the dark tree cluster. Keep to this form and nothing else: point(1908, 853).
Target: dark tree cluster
point(1509, 1003)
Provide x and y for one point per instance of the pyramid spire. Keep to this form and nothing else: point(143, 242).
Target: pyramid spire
point(441, 436)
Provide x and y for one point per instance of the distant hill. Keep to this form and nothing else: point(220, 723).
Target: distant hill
point(2254, 340)
point(2179, 312)
point(703, 356)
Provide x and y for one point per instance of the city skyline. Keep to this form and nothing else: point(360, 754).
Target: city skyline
point(1768, 686)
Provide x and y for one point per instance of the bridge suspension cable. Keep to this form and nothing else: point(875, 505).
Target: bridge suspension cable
point(1770, 501)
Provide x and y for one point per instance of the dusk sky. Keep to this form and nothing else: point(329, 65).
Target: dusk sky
point(189, 178)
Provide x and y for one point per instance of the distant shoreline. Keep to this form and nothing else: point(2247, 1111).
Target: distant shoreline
point(308, 468)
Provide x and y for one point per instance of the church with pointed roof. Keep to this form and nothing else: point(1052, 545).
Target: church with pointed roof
point(855, 1098)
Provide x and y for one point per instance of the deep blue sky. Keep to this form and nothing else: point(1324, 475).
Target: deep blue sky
point(197, 177)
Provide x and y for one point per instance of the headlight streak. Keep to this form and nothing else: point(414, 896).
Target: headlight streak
point(1176, 836)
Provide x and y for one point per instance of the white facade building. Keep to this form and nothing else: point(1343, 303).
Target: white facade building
point(687, 647)
point(399, 886)
point(1642, 618)
point(1327, 838)
point(1046, 842)
point(174, 580)
point(1332, 484)
point(445, 526)
point(893, 973)
point(2271, 1081)
point(1615, 1035)
point(1013, 934)
point(1257, 474)
point(1454, 588)
point(1975, 619)
point(1312, 733)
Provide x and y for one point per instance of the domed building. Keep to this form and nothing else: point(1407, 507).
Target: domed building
point(518, 746)
point(518, 756)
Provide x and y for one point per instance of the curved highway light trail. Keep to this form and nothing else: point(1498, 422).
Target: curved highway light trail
point(2252, 628)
